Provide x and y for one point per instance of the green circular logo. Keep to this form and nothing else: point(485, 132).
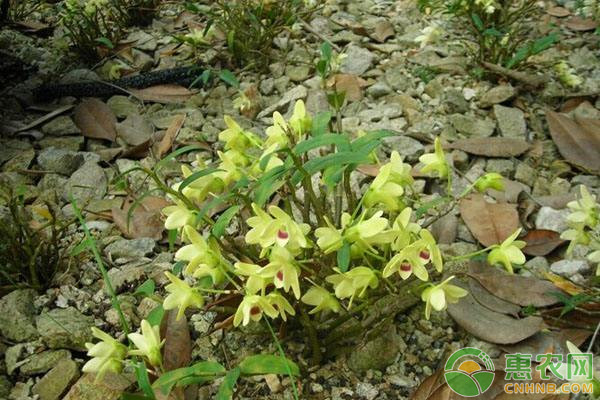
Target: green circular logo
point(467, 377)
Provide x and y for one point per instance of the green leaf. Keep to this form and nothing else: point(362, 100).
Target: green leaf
point(520, 55)
point(327, 139)
point(133, 396)
point(431, 204)
point(80, 248)
point(371, 137)
point(333, 175)
point(223, 221)
point(195, 176)
point(261, 364)
point(493, 32)
point(178, 267)
point(343, 257)
point(477, 21)
point(141, 374)
point(106, 42)
point(155, 316)
point(336, 100)
point(146, 289)
point(321, 68)
point(202, 369)
point(226, 389)
point(176, 153)
point(172, 237)
point(335, 159)
point(320, 123)
point(543, 43)
point(228, 77)
point(326, 51)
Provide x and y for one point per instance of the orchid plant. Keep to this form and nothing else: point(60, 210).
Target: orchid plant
point(291, 226)
point(496, 30)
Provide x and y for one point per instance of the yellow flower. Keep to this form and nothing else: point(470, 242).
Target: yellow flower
point(277, 133)
point(585, 210)
point(438, 296)
point(107, 355)
point(330, 239)
point(491, 180)
point(282, 270)
point(148, 343)
point(203, 258)
point(277, 228)
point(181, 296)
point(178, 216)
point(256, 281)
point(280, 304)
point(236, 138)
point(428, 35)
point(353, 283)
point(403, 230)
point(252, 308)
point(200, 188)
point(508, 252)
point(273, 162)
point(410, 260)
point(388, 187)
point(300, 122)
point(566, 75)
point(321, 299)
point(435, 162)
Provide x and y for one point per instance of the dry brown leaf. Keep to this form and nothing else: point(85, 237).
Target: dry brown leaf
point(517, 289)
point(488, 300)
point(564, 284)
point(95, 120)
point(579, 24)
point(177, 351)
point(350, 84)
point(45, 118)
point(558, 12)
point(383, 30)
point(541, 242)
point(549, 342)
point(429, 386)
point(491, 146)
point(163, 93)
point(490, 223)
point(368, 169)
point(145, 221)
point(490, 325)
point(135, 130)
point(578, 143)
point(167, 141)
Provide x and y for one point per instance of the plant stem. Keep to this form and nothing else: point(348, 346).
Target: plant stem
point(91, 243)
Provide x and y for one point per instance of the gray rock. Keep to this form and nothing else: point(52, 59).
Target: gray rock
point(131, 249)
point(455, 101)
point(20, 161)
point(110, 387)
point(497, 95)
point(379, 89)
point(78, 75)
point(57, 380)
point(17, 315)
point(524, 173)
point(65, 328)
point(406, 146)
point(5, 387)
point(267, 86)
point(316, 102)
point(60, 161)
point(87, 183)
point(397, 77)
point(12, 356)
point(551, 219)
point(142, 60)
point(537, 266)
point(297, 73)
point(144, 41)
point(377, 353)
point(568, 268)
point(501, 166)
point(73, 143)
point(434, 89)
point(472, 126)
point(365, 390)
point(54, 182)
point(359, 60)
point(122, 106)
point(39, 363)
point(61, 126)
point(401, 381)
point(296, 93)
point(511, 121)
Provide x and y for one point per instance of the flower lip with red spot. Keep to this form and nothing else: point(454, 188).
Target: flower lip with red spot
point(282, 234)
point(405, 266)
point(279, 275)
point(424, 254)
point(255, 310)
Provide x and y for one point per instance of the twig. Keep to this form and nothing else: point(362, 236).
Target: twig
point(310, 29)
point(527, 79)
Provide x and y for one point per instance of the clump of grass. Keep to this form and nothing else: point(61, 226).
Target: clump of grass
point(250, 26)
point(31, 249)
point(18, 10)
